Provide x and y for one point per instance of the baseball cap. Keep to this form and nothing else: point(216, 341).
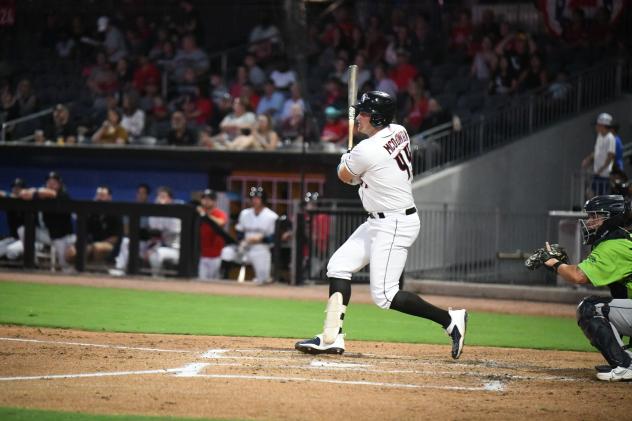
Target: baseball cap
point(211, 194)
point(54, 175)
point(102, 23)
point(604, 119)
point(18, 182)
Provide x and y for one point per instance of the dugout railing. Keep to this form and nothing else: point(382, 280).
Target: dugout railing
point(454, 243)
point(189, 236)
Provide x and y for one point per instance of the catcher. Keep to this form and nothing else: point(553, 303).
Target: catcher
point(603, 320)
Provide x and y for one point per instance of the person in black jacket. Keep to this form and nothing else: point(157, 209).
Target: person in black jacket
point(58, 228)
point(12, 247)
point(103, 232)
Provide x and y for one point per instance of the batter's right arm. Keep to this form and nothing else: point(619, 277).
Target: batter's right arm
point(344, 174)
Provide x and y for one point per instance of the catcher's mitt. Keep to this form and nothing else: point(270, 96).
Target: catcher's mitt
point(541, 255)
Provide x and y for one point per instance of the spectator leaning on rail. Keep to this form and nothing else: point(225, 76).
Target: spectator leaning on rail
point(12, 247)
point(103, 232)
point(603, 155)
point(164, 242)
point(57, 229)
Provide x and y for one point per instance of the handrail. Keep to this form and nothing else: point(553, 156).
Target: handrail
point(3, 136)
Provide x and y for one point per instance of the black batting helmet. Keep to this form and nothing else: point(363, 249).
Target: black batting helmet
point(258, 192)
point(612, 209)
point(380, 105)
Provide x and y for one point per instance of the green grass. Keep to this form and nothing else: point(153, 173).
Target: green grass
point(123, 310)
point(20, 414)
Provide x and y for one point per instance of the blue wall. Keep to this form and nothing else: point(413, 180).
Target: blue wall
point(82, 182)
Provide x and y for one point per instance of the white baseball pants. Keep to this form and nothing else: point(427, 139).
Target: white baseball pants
point(382, 243)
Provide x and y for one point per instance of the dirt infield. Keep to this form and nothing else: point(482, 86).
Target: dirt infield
point(258, 378)
point(264, 378)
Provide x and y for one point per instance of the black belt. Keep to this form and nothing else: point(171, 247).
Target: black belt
point(381, 215)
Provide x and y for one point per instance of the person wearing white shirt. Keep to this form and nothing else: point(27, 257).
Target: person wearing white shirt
point(603, 155)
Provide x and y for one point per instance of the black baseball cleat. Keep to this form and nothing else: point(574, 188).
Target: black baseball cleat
point(456, 331)
point(316, 345)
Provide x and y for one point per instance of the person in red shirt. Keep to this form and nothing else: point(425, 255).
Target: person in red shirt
point(403, 72)
point(336, 128)
point(211, 242)
point(146, 73)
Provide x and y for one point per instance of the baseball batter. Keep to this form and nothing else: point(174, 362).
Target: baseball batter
point(255, 231)
point(381, 167)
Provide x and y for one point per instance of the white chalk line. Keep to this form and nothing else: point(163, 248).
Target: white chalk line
point(97, 345)
point(492, 386)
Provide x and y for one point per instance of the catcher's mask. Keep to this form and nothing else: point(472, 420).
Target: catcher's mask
point(604, 213)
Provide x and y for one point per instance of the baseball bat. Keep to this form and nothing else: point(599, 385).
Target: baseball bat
point(353, 97)
point(242, 274)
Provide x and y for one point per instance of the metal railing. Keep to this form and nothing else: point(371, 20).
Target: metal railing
point(454, 243)
point(14, 122)
point(520, 116)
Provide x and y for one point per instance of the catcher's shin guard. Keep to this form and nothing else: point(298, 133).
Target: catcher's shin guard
point(335, 314)
point(602, 335)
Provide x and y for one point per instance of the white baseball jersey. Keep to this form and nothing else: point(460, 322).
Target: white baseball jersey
point(603, 146)
point(258, 254)
point(383, 163)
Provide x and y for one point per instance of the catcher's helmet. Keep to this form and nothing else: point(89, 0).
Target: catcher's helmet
point(612, 210)
point(380, 105)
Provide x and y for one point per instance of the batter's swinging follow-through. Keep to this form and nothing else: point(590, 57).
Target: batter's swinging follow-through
point(381, 168)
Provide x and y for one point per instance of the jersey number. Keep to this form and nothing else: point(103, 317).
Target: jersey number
point(404, 160)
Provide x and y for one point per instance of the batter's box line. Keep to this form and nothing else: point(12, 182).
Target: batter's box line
point(133, 348)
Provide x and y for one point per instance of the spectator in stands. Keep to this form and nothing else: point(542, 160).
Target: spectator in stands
point(124, 76)
point(165, 58)
point(61, 129)
point(293, 128)
point(218, 87)
point(249, 95)
point(232, 124)
point(256, 75)
point(271, 103)
point(9, 111)
point(241, 78)
point(503, 81)
point(146, 73)
point(560, 87)
point(111, 131)
point(518, 49)
point(375, 41)
point(417, 105)
point(180, 134)
point(461, 31)
point(403, 72)
point(534, 76)
point(334, 93)
point(485, 60)
point(602, 157)
point(335, 130)
point(65, 46)
point(341, 68)
point(25, 98)
point(198, 108)
point(283, 76)
point(133, 120)
point(618, 151)
point(224, 107)
point(401, 42)
point(211, 241)
point(437, 115)
point(12, 247)
point(103, 232)
point(164, 244)
point(264, 39)
point(294, 99)
point(101, 79)
point(261, 137)
point(382, 81)
point(190, 56)
point(186, 86)
point(363, 74)
point(574, 30)
point(114, 42)
point(57, 229)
